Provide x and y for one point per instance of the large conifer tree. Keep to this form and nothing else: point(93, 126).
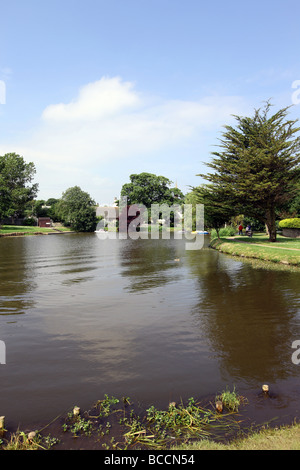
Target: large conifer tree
point(258, 165)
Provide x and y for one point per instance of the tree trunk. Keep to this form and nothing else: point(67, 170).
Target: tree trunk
point(267, 230)
point(271, 225)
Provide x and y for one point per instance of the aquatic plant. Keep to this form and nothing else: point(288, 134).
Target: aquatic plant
point(179, 422)
point(231, 400)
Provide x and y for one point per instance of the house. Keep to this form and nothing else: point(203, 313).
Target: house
point(114, 215)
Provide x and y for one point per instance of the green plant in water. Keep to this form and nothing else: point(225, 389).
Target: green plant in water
point(51, 441)
point(105, 406)
point(160, 427)
point(81, 425)
point(230, 400)
point(20, 441)
point(77, 425)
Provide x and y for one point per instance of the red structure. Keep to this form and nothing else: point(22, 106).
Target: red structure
point(125, 219)
point(44, 222)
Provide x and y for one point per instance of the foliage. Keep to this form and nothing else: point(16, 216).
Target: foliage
point(290, 223)
point(217, 211)
point(257, 167)
point(147, 189)
point(178, 422)
point(39, 209)
point(106, 405)
point(16, 189)
point(223, 232)
point(76, 208)
point(231, 400)
point(51, 201)
point(256, 225)
point(192, 199)
point(294, 207)
point(29, 222)
point(78, 425)
point(20, 441)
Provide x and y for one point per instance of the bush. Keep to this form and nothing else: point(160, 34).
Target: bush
point(223, 232)
point(29, 222)
point(256, 225)
point(289, 223)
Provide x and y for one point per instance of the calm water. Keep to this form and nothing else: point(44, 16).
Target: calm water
point(82, 317)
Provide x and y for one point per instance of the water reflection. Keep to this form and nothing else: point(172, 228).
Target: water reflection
point(16, 281)
point(142, 318)
point(150, 263)
point(250, 317)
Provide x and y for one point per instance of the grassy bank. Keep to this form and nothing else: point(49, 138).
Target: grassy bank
point(284, 251)
point(284, 438)
point(21, 230)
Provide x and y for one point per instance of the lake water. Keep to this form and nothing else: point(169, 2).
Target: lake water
point(83, 317)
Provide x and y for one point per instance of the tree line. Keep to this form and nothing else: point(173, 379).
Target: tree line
point(256, 173)
point(18, 200)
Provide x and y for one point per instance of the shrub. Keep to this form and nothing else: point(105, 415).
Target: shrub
point(289, 223)
point(29, 222)
point(223, 232)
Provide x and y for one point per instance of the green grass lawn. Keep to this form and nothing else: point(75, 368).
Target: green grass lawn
point(284, 438)
point(6, 229)
point(285, 250)
point(283, 242)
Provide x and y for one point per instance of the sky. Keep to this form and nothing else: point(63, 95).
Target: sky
point(93, 91)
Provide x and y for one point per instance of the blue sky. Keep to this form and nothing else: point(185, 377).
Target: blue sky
point(97, 90)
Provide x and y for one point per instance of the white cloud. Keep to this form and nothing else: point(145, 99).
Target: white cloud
point(110, 126)
point(110, 120)
point(97, 100)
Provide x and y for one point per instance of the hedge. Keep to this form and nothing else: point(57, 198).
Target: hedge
point(290, 223)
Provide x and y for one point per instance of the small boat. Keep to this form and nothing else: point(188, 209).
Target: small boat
point(201, 232)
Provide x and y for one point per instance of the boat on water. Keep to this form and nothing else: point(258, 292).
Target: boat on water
point(201, 232)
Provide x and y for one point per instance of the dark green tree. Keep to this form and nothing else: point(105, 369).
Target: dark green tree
point(216, 210)
point(257, 167)
point(39, 210)
point(76, 208)
point(147, 189)
point(51, 201)
point(292, 208)
point(16, 188)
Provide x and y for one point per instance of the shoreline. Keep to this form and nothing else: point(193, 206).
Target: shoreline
point(120, 425)
point(282, 255)
point(25, 234)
